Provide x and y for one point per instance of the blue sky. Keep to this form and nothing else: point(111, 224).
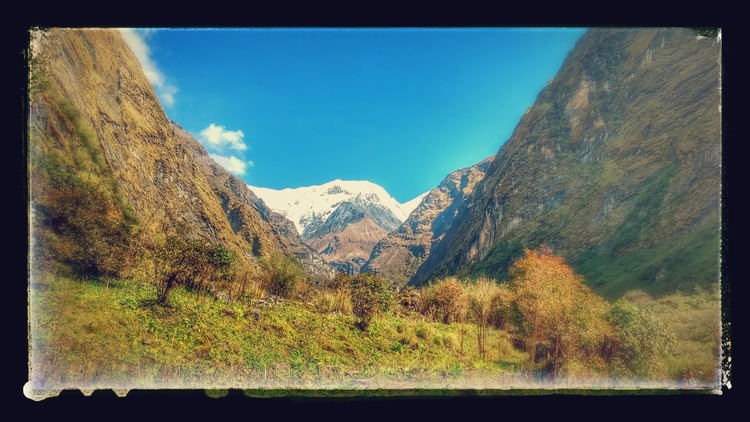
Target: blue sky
point(398, 107)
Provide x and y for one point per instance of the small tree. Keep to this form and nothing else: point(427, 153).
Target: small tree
point(555, 315)
point(371, 295)
point(188, 262)
point(445, 301)
point(481, 294)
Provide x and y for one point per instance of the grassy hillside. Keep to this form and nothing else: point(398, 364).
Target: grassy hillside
point(695, 320)
point(87, 335)
point(676, 265)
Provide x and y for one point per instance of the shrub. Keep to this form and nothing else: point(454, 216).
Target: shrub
point(332, 301)
point(640, 344)
point(180, 261)
point(340, 281)
point(334, 296)
point(246, 284)
point(445, 301)
point(638, 297)
point(500, 307)
point(410, 300)
point(86, 229)
point(324, 302)
point(282, 275)
point(371, 295)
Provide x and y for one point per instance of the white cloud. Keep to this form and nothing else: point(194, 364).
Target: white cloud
point(232, 164)
point(136, 40)
point(219, 142)
point(166, 93)
point(217, 137)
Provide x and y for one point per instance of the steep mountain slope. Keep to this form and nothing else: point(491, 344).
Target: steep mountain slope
point(398, 255)
point(96, 125)
point(342, 220)
point(616, 166)
point(242, 209)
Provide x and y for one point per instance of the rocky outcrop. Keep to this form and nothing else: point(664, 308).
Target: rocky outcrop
point(398, 256)
point(94, 74)
point(350, 212)
point(616, 166)
point(348, 248)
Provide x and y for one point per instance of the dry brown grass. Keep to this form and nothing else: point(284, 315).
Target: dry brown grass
point(337, 301)
point(481, 294)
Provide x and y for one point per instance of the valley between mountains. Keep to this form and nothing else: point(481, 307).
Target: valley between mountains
point(583, 254)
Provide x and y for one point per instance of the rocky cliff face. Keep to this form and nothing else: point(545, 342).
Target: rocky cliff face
point(398, 256)
point(95, 93)
point(616, 166)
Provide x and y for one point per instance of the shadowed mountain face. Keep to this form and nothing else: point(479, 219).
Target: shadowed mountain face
point(95, 101)
point(398, 255)
point(616, 166)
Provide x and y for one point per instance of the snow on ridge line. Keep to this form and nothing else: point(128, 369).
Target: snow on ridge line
point(410, 206)
point(301, 204)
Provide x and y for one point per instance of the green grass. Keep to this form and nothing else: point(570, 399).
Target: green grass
point(85, 334)
point(678, 264)
point(642, 220)
point(694, 318)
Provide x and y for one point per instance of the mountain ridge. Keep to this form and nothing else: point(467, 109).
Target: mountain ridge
point(399, 254)
point(618, 157)
point(302, 203)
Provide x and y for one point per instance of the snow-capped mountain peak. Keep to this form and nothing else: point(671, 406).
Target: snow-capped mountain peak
point(314, 204)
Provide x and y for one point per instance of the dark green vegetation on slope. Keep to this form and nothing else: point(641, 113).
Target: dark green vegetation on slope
point(676, 265)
